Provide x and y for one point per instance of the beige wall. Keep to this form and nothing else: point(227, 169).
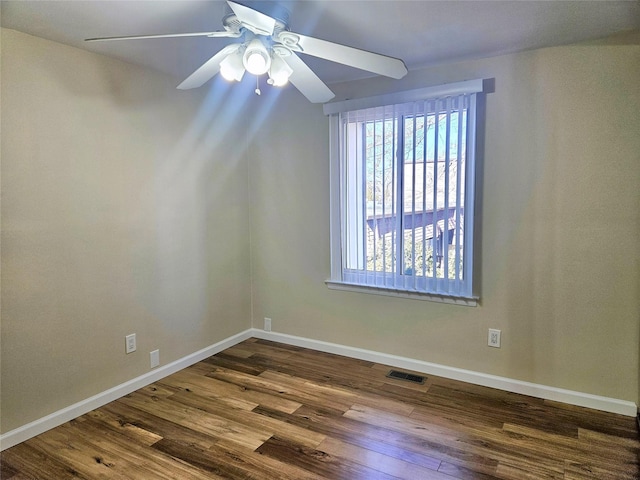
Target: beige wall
point(560, 251)
point(124, 209)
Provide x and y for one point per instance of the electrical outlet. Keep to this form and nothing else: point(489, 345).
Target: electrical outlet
point(154, 358)
point(267, 324)
point(130, 343)
point(494, 338)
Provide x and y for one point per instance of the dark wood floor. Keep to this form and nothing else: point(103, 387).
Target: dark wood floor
point(263, 410)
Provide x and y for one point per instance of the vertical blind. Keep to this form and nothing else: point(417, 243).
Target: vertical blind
point(406, 189)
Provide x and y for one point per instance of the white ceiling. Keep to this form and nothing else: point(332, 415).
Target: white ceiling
point(422, 33)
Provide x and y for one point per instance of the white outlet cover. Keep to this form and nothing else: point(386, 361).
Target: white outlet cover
point(130, 343)
point(494, 338)
point(154, 358)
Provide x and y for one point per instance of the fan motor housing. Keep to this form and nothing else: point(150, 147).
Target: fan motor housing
point(279, 13)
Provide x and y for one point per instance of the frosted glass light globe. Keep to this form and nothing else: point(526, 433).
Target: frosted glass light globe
point(256, 58)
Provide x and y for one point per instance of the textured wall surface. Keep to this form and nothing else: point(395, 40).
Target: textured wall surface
point(560, 246)
point(124, 210)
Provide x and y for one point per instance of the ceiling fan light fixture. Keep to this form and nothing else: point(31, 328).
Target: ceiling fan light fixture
point(280, 72)
point(256, 58)
point(265, 40)
point(232, 67)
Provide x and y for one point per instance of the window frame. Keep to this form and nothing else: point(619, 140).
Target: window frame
point(336, 281)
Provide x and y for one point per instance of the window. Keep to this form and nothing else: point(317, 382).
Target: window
point(403, 178)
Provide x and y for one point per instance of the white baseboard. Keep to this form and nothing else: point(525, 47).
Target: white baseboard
point(55, 419)
point(20, 434)
point(606, 404)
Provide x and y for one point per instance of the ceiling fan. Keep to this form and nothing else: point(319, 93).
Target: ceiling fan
point(267, 46)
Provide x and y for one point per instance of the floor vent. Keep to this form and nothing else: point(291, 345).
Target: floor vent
point(405, 376)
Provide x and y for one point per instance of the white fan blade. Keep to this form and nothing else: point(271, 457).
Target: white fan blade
point(256, 21)
point(226, 34)
point(353, 57)
point(306, 81)
point(208, 70)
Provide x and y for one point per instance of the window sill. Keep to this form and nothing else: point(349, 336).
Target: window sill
point(390, 292)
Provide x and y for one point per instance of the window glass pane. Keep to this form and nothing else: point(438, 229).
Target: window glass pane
point(403, 196)
point(434, 163)
point(381, 178)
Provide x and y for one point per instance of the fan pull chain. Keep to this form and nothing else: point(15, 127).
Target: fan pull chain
point(257, 90)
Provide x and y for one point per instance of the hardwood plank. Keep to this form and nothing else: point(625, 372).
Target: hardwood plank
point(31, 461)
point(201, 459)
point(317, 461)
point(488, 403)
point(596, 421)
point(455, 419)
point(462, 472)
point(608, 440)
point(250, 419)
point(314, 367)
point(378, 461)
point(531, 471)
point(231, 462)
point(611, 457)
point(6, 471)
point(127, 415)
point(98, 456)
point(124, 457)
point(308, 364)
point(211, 387)
point(588, 471)
point(102, 419)
point(283, 386)
point(493, 443)
point(388, 442)
point(233, 363)
point(267, 467)
point(272, 350)
point(200, 368)
point(321, 394)
point(239, 351)
point(199, 421)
